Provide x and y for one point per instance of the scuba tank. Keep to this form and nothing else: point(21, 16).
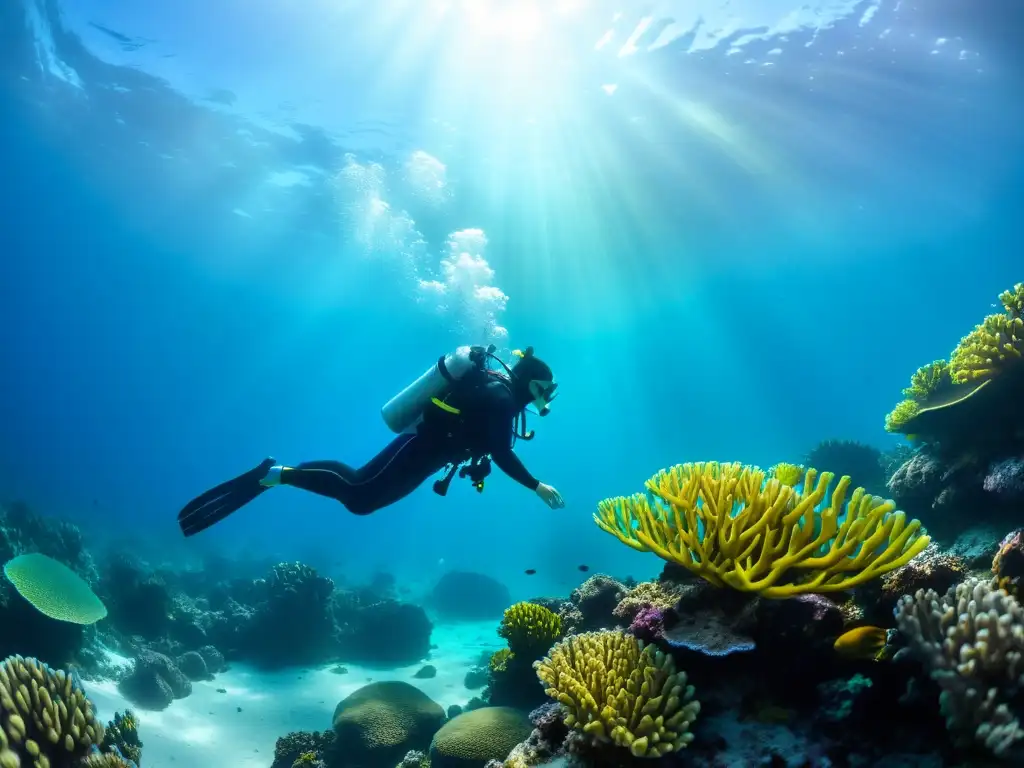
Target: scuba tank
point(404, 410)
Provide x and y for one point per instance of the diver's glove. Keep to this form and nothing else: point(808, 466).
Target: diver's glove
point(550, 496)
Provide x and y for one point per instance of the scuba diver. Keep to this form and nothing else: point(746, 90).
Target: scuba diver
point(460, 414)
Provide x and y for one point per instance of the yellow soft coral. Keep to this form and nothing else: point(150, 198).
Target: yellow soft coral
point(730, 525)
point(1013, 300)
point(993, 345)
point(615, 689)
point(788, 474)
point(530, 628)
point(898, 417)
point(927, 380)
point(500, 659)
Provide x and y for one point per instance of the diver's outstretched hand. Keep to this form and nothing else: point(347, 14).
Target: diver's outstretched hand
point(550, 496)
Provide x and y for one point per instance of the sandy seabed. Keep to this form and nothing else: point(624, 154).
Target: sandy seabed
point(240, 726)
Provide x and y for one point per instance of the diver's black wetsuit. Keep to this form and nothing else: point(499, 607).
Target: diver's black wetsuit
point(485, 425)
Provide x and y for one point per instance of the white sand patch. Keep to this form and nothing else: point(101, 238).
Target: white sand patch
point(207, 728)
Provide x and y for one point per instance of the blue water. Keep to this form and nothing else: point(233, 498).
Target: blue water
point(732, 236)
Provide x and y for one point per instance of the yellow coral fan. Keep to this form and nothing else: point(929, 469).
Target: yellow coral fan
point(927, 380)
point(615, 689)
point(901, 414)
point(1013, 300)
point(731, 526)
point(530, 628)
point(788, 474)
point(993, 345)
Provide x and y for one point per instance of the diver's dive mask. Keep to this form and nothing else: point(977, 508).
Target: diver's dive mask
point(543, 393)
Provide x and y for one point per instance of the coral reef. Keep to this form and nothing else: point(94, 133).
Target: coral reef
point(384, 632)
point(45, 717)
point(595, 601)
point(616, 690)
point(468, 596)
point(298, 746)
point(23, 532)
point(291, 622)
point(863, 464)
point(971, 641)
point(659, 594)
point(473, 738)
point(381, 722)
point(154, 681)
point(530, 629)
point(122, 737)
point(778, 543)
point(1008, 562)
point(972, 401)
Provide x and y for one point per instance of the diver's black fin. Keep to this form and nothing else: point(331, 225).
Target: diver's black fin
point(219, 502)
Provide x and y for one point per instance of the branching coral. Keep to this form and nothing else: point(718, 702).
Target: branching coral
point(45, 717)
point(927, 380)
point(530, 629)
point(615, 689)
point(995, 343)
point(1013, 300)
point(787, 474)
point(971, 640)
point(901, 415)
point(731, 526)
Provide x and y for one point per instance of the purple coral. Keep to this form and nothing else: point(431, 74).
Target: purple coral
point(648, 624)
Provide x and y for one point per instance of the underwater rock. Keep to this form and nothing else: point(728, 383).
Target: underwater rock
point(193, 665)
point(916, 484)
point(977, 546)
point(381, 722)
point(426, 671)
point(932, 569)
point(596, 599)
point(214, 659)
point(1005, 480)
point(837, 697)
point(291, 624)
point(475, 678)
point(941, 493)
point(468, 596)
point(154, 682)
point(798, 625)
point(388, 633)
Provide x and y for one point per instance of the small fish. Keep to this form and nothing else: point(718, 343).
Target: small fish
point(863, 643)
point(583, 568)
point(530, 571)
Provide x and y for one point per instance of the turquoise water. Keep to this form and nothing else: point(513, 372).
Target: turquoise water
point(232, 231)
